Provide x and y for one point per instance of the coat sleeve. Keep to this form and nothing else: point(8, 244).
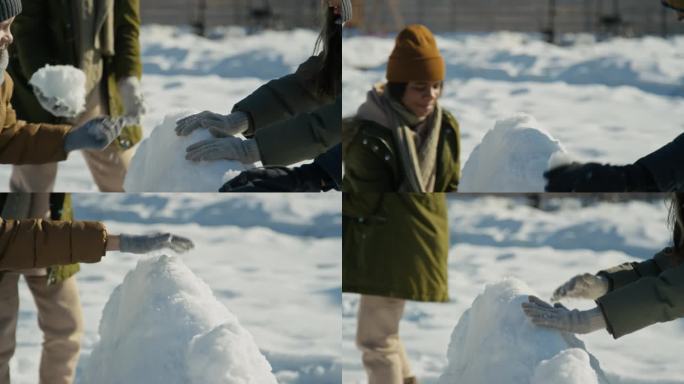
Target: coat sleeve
point(666, 165)
point(40, 243)
point(643, 294)
point(282, 98)
point(628, 273)
point(25, 143)
point(127, 60)
point(303, 137)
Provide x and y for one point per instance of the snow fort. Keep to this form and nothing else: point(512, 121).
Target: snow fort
point(64, 87)
point(494, 342)
point(164, 325)
point(159, 164)
point(512, 157)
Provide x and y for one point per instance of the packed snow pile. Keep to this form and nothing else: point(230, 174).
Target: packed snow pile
point(159, 164)
point(164, 325)
point(60, 89)
point(512, 157)
point(494, 342)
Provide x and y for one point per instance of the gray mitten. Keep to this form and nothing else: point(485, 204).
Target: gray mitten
point(561, 318)
point(586, 286)
point(96, 134)
point(154, 242)
point(226, 148)
point(219, 125)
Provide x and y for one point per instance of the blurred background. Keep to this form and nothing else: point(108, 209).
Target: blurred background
point(253, 14)
point(550, 17)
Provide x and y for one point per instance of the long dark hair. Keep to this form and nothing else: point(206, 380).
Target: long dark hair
point(677, 223)
point(329, 43)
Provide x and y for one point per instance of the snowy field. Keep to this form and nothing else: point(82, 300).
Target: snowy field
point(272, 261)
point(494, 238)
point(183, 72)
point(611, 101)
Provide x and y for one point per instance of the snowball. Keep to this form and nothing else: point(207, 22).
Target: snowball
point(159, 164)
point(494, 342)
point(164, 325)
point(571, 366)
point(60, 89)
point(512, 157)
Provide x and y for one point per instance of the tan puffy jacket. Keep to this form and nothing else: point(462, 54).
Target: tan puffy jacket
point(25, 143)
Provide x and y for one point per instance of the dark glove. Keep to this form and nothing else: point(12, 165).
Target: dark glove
point(594, 177)
point(306, 178)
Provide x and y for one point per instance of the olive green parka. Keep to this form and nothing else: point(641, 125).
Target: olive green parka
point(44, 33)
point(642, 294)
point(290, 120)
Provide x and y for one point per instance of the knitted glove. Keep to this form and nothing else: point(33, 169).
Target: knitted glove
point(225, 148)
point(560, 318)
point(154, 242)
point(219, 125)
point(585, 286)
point(97, 134)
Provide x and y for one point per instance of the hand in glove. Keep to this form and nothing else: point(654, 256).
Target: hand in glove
point(132, 98)
point(306, 178)
point(560, 318)
point(594, 177)
point(97, 134)
point(154, 242)
point(585, 286)
point(219, 125)
point(226, 148)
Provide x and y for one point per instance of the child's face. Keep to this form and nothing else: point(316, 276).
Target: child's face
point(6, 37)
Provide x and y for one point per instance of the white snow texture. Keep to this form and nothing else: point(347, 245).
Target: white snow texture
point(63, 83)
point(512, 157)
point(159, 164)
point(164, 325)
point(494, 342)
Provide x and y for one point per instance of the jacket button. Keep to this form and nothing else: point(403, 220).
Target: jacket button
point(387, 158)
point(365, 142)
point(361, 220)
point(375, 148)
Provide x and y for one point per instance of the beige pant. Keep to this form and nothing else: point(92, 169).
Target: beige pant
point(108, 166)
point(59, 317)
point(377, 336)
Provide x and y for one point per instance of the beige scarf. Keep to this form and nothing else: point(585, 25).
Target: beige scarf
point(416, 141)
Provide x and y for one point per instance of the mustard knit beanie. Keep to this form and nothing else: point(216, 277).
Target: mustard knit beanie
point(415, 57)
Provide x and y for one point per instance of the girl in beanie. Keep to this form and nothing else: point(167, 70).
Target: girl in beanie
point(395, 244)
point(402, 138)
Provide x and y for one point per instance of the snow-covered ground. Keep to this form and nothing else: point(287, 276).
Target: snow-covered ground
point(185, 72)
point(273, 261)
point(610, 101)
point(493, 238)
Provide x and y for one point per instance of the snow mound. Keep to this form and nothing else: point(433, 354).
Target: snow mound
point(164, 325)
point(159, 164)
point(572, 366)
point(512, 157)
point(62, 84)
point(494, 342)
